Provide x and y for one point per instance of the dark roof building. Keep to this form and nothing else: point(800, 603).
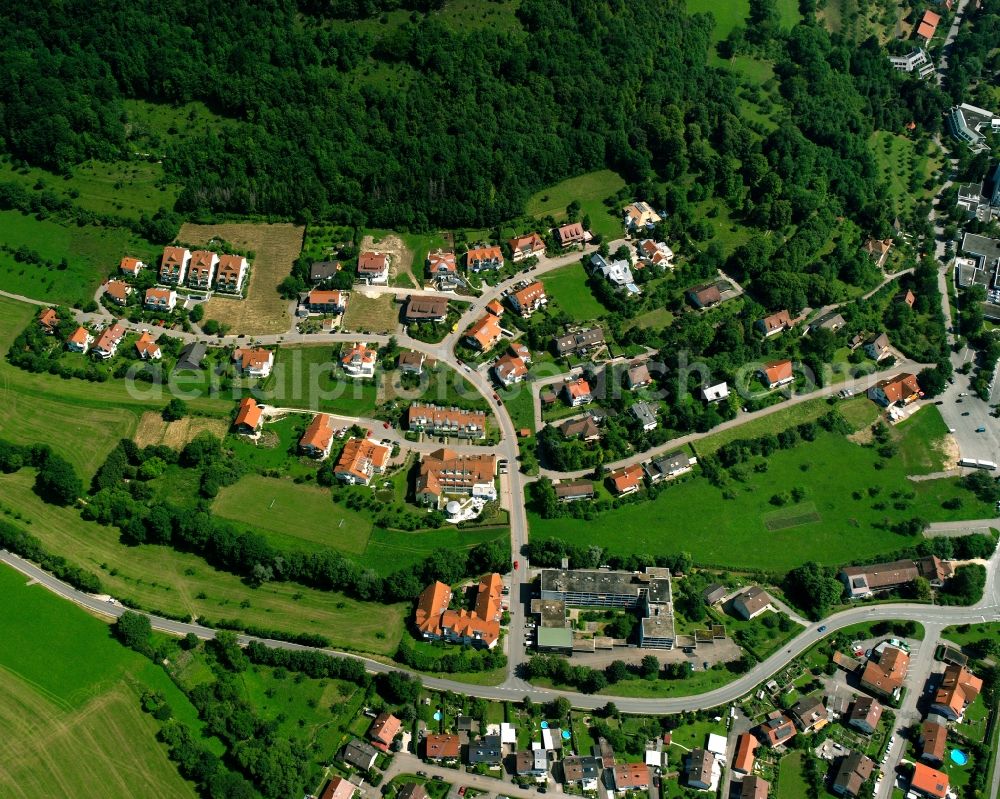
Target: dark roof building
point(359, 754)
point(853, 772)
point(486, 750)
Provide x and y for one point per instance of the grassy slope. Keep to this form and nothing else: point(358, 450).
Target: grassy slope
point(590, 190)
point(70, 706)
point(568, 287)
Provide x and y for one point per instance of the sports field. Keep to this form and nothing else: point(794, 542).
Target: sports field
point(294, 515)
point(275, 248)
point(70, 705)
point(567, 286)
point(590, 191)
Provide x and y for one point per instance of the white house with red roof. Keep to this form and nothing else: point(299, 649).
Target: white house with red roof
point(80, 340)
point(174, 264)
point(231, 272)
point(131, 266)
point(157, 299)
point(117, 291)
point(107, 343)
point(201, 269)
point(253, 362)
point(147, 347)
point(359, 361)
point(373, 268)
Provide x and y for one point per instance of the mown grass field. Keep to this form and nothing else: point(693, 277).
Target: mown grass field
point(791, 778)
point(311, 377)
point(391, 550)
point(567, 286)
point(91, 254)
point(590, 191)
point(376, 314)
point(843, 521)
point(70, 705)
point(160, 578)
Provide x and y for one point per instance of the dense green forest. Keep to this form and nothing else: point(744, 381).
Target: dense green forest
point(434, 122)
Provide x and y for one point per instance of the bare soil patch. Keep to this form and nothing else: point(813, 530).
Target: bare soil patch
point(275, 249)
point(153, 430)
point(401, 258)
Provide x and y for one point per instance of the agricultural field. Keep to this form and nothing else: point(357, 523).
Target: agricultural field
point(91, 253)
point(70, 708)
point(377, 313)
point(851, 497)
point(903, 169)
point(152, 429)
point(310, 377)
point(159, 578)
point(567, 286)
point(275, 248)
point(590, 190)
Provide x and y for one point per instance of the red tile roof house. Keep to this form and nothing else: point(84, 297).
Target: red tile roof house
point(571, 234)
point(484, 333)
point(655, 253)
point(360, 460)
point(774, 324)
point(529, 299)
point(933, 739)
point(359, 361)
point(107, 343)
point(384, 730)
point(174, 264)
point(249, 417)
point(317, 440)
point(510, 369)
point(927, 781)
point(777, 373)
point(338, 788)
point(160, 299)
point(439, 421)
point(705, 296)
point(484, 259)
point(444, 472)
point(147, 347)
point(865, 714)
point(373, 268)
point(254, 362)
point(441, 266)
point(80, 340)
point(48, 319)
point(526, 246)
point(495, 308)
point(231, 273)
point(578, 392)
point(959, 688)
point(442, 747)
point(201, 269)
point(884, 677)
point(746, 747)
point(117, 291)
point(131, 266)
point(626, 480)
point(899, 390)
point(332, 302)
point(928, 26)
point(778, 729)
point(631, 776)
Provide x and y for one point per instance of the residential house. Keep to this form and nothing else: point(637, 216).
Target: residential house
point(571, 234)
point(933, 739)
point(915, 61)
point(667, 466)
point(201, 269)
point(626, 480)
point(412, 791)
point(494, 307)
point(906, 297)
point(640, 216)
point(323, 270)
point(439, 421)
point(631, 777)
point(865, 714)
point(359, 361)
point(423, 308)
point(249, 417)
point(645, 414)
point(928, 25)
point(442, 748)
point(716, 393)
point(254, 362)
point(531, 763)
point(884, 675)
point(831, 321)
point(878, 250)
point(326, 302)
point(107, 343)
point(48, 320)
point(527, 246)
point(520, 350)
point(479, 627)
point(901, 389)
point(442, 268)
point(431, 604)
point(809, 713)
point(580, 342)
point(486, 751)
point(877, 346)
point(384, 730)
point(746, 748)
point(927, 781)
point(80, 340)
point(777, 373)
point(191, 356)
point(604, 750)
point(163, 300)
point(359, 754)
point(338, 788)
point(617, 273)
point(705, 296)
point(754, 787)
point(574, 491)
point(584, 771)
point(714, 594)
point(411, 362)
point(577, 392)
point(317, 440)
point(117, 291)
point(444, 472)
point(584, 428)
point(484, 333)
point(959, 688)
point(698, 768)
point(510, 369)
point(484, 259)
point(862, 581)
point(360, 460)
point(373, 268)
point(655, 253)
point(528, 299)
point(852, 773)
point(174, 265)
point(131, 266)
point(752, 602)
point(777, 729)
point(147, 348)
point(774, 324)
point(637, 376)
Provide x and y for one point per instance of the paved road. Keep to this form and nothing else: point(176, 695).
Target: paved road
point(407, 763)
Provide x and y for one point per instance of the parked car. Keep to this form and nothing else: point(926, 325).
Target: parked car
point(980, 429)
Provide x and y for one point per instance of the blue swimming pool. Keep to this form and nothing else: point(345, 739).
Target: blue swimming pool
point(959, 757)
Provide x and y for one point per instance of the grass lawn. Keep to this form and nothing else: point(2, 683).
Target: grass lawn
point(791, 777)
point(657, 319)
point(964, 634)
point(376, 314)
point(294, 515)
point(310, 377)
point(902, 169)
point(833, 527)
point(590, 191)
point(70, 706)
point(696, 683)
point(913, 435)
point(568, 287)
point(390, 550)
point(159, 578)
point(520, 406)
point(91, 254)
